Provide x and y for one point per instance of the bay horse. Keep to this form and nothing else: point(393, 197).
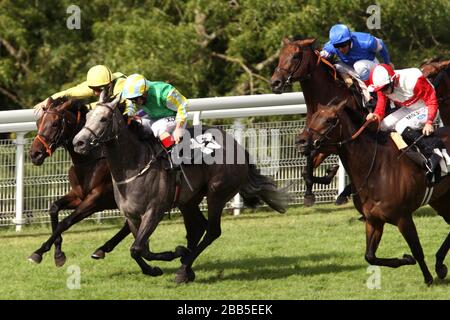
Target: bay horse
point(144, 189)
point(389, 188)
point(298, 61)
point(89, 177)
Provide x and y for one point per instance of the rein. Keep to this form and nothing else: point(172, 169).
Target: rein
point(317, 144)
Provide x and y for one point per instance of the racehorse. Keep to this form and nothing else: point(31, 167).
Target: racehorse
point(389, 188)
point(89, 178)
point(144, 189)
point(298, 61)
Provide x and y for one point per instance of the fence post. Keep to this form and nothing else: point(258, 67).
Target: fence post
point(341, 177)
point(20, 142)
point(196, 120)
point(238, 135)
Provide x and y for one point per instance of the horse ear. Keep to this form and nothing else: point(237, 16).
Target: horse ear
point(103, 96)
point(115, 102)
point(286, 41)
point(341, 104)
point(308, 42)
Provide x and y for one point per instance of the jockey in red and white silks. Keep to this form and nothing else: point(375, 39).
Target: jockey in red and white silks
point(407, 88)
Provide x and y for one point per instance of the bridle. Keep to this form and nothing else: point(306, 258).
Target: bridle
point(51, 144)
point(99, 138)
point(324, 137)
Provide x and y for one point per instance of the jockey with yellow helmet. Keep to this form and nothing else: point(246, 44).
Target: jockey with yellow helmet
point(164, 106)
point(99, 77)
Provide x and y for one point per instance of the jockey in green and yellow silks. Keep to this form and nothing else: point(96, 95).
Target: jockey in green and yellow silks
point(164, 106)
point(98, 78)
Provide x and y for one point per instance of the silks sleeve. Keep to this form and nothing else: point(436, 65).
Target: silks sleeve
point(425, 91)
point(80, 91)
point(177, 102)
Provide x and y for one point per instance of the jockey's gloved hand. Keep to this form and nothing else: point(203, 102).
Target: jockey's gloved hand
point(428, 129)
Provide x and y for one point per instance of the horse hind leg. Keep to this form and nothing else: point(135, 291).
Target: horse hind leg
point(111, 243)
point(442, 209)
point(216, 204)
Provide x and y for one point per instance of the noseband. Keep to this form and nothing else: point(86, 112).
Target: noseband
point(300, 65)
point(100, 137)
point(48, 143)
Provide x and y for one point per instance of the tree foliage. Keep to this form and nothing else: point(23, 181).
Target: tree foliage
point(203, 47)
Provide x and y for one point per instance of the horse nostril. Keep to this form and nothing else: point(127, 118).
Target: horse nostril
point(300, 142)
point(79, 143)
point(276, 83)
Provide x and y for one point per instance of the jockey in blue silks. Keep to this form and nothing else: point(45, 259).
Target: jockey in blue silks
point(356, 52)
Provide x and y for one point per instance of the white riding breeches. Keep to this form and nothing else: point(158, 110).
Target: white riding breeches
point(360, 72)
point(414, 117)
point(159, 126)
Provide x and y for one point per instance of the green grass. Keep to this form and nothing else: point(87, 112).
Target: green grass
point(314, 253)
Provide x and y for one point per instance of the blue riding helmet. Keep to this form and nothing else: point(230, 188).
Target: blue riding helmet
point(339, 33)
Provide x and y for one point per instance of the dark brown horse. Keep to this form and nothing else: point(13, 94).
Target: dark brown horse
point(89, 178)
point(438, 72)
point(298, 61)
point(389, 188)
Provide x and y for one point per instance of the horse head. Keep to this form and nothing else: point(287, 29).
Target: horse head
point(294, 63)
point(56, 126)
point(102, 125)
point(326, 130)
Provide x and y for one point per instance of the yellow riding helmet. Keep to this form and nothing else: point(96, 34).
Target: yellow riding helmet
point(98, 76)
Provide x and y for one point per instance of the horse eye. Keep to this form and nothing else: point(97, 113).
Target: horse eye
point(55, 124)
point(331, 120)
point(296, 56)
point(103, 119)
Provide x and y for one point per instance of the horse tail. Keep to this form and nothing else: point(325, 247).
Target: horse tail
point(260, 187)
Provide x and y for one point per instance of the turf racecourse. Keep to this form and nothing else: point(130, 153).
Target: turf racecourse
point(308, 253)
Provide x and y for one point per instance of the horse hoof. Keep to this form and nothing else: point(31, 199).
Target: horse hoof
point(429, 281)
point(60, 260)
point(154, 272)
point(441, 271)
point(182, 251)
point(340, 201)
point(184, 276)
point(98, 254)
point(409, 259)
point(309, 200)
point(35, 258)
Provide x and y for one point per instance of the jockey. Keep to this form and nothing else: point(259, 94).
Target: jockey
point(356, 52)
point(98, 78)
point(417, 98)
point(164, 107)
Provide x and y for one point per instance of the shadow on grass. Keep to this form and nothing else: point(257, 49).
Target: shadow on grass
point(426, 211)
point(256, 268)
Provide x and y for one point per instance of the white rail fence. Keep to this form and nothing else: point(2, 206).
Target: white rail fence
point(27, 191)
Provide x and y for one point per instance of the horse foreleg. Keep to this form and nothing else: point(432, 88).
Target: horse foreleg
point(408, 229)
point(148, 224)
point(309, 198)
point(68, 201)
point(374, 231)
point(86, 208)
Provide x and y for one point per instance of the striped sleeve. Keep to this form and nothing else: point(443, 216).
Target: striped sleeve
point(177, 102)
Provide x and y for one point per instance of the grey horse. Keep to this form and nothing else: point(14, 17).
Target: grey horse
point(144, 189)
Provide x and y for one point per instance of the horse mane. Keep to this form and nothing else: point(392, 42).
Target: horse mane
point(75, 106)
point(358, 120)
